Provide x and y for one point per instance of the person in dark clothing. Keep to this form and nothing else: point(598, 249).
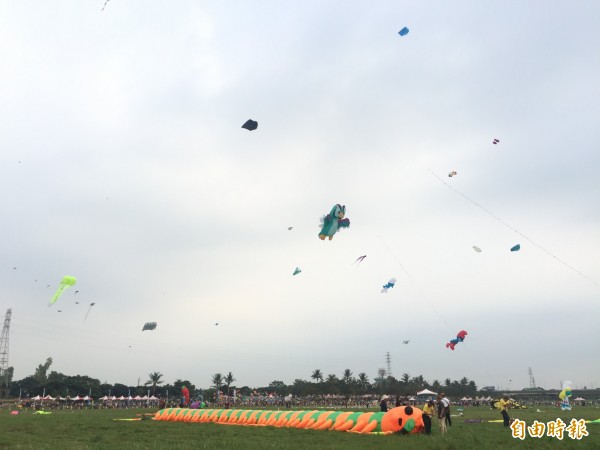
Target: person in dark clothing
point(398, 401)
point(383, 403)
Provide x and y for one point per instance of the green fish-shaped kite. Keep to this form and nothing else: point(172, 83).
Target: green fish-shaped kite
point(64, 284)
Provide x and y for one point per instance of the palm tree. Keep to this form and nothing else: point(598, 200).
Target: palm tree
point(317, 375)
point(155, 379)
point(347, 377)
point(363, 380)
point(228, 380)
point(217, 381)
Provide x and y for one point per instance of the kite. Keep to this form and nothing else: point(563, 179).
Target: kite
point(495, 141)
point(516, 248)
point(459, 338)
point(88, 312)
point(149, 326)
point(185, 395)
point(77, 303)
point(216, 324)
point(404, 31)
point(359, 260)
point(64, 284)
point(388, 285)
point(75, 293)
point(453, 173)
point(250, 125)
point(105, 5)
point(564, 396)
point(401, 420)
point(289, 228)
point(297, 271)
point(477, 249)
point(60, 310)
point(406, 341)
point(333, 222)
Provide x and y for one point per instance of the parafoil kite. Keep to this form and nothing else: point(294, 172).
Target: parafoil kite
point(453, 173)
point(459, 338)
point(390, 284)
point(185, 395)
point(297, 271)
point(564, 396)
point(401, 420)
point(149, 326)
point(250, 125)
point(516, 248)
point(88, 311)
point(477, 249)
point(64, 284)
point(333, 222)
point(495, 141)
point(404, 31)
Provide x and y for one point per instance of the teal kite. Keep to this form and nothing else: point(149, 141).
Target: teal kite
point(64, 284)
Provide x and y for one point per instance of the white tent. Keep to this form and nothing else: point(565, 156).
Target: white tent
point(37, 398)
point(426, 392)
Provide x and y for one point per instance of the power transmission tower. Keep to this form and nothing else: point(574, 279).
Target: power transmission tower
point(388, 362)
point(531, 379)
point(4, 375)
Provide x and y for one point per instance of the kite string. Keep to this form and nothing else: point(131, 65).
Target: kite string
point(510, 227)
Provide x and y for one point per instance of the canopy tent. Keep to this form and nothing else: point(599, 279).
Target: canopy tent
point(579, 399)
point(48, 397)
point(153, 398)
point(426, 392)
point(37, 398)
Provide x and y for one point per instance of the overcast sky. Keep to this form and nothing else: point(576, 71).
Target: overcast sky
point(123, 163)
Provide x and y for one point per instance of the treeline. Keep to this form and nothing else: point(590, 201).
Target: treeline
point(58, 384)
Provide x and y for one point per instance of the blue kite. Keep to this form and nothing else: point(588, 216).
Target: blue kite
point(403, 32)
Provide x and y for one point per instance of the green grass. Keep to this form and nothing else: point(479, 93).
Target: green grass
point(95, 429)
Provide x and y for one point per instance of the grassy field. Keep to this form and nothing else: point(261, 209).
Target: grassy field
point(96, 429)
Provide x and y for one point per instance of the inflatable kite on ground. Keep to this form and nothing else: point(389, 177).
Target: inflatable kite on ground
point(250, 125)
point(149, 326)
point(564, 396)
point(390, 284)
point(403, 32)
point(64, 284)
point(296, 271)
point(333, 221)
point(495, 141)
point(185, 396)
point(477, 249)
point(453, 173)
point(516, 248)
point(459, 338)
point(400, 420)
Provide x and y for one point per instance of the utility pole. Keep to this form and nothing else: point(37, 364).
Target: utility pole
point(388, 362)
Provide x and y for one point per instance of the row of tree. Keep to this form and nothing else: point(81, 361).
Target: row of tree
point(56, 383)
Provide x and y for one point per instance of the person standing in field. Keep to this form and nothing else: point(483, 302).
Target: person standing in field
point(504, 404)
point(446, 403)
point(383, 404)
point(441, 415)
point(428, 412)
